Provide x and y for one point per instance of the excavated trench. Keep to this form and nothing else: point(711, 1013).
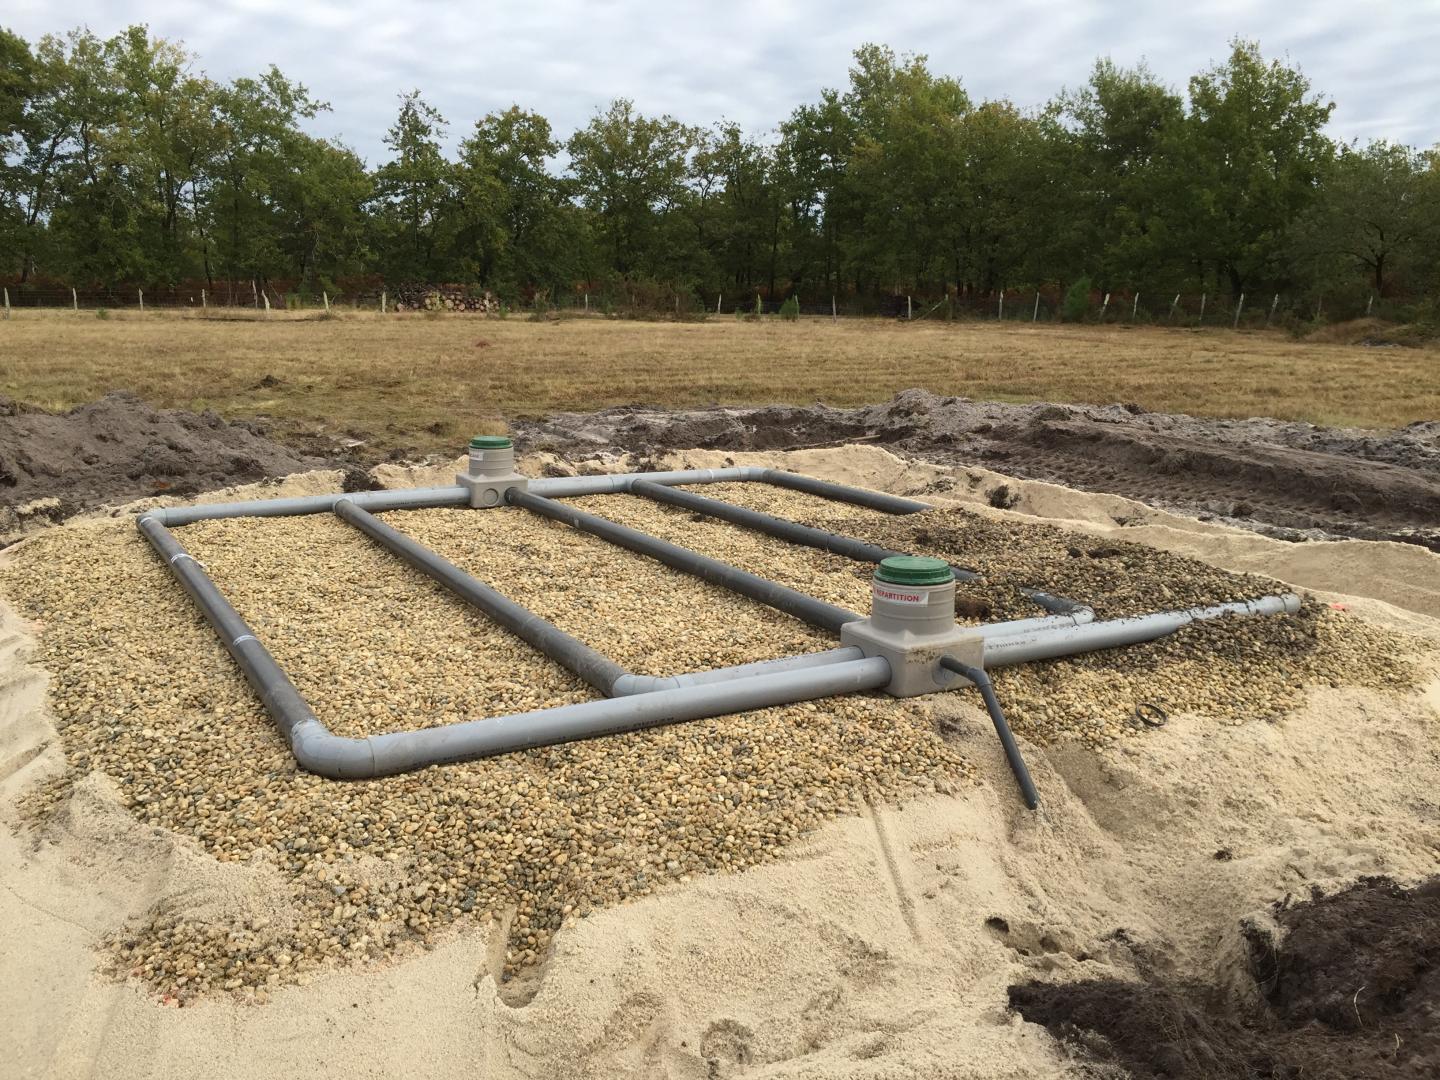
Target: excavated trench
point(1346, 987)
point(1295, 481)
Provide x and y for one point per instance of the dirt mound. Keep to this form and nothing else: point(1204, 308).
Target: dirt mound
point(119, 448)
point(1292, 480)
point(1348, 987)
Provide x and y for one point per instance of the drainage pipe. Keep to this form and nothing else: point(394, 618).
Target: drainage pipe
point(982, 683)
point(1025, 626)
point(1067, 612)
point(595, 668)
point(570, 487)
point(792, 531)
point(875, 500)
point(567, 487)
point(803, 607)
point(644, 684)
point(1067, 641)
point(275, 690)
point(378, 501)
point(403, 750)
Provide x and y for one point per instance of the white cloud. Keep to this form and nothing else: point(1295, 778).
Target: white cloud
point(753, 62)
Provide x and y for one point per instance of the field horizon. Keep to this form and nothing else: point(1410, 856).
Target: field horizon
point(420, 381)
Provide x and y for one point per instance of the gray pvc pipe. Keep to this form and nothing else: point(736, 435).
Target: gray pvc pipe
point(378, 501)
point(275, 690)
point(551, 487)
point(875, 500)
point(594, 667)
point(403, 750)
point(1046, 622)
point(803, 607)
point(572, 486)
point(569, 487)
point(1067, 641)
point(792, 531)
point(645, 684)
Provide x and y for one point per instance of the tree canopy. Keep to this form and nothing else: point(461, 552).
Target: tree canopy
point(121, 161)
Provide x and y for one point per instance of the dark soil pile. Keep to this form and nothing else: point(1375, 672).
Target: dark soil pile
point(1286, 478)
point(119, 448)
point(1350, 989)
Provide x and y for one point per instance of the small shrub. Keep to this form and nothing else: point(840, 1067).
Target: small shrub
point(790, 309)
point(1076, 304)
point(102, 313)
point(759, 306)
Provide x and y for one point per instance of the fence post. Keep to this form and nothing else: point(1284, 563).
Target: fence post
point(1273, 305)
point(1104, 307)
point(382, 301)
point(719, 299)
point(325, 296)
point(1000, 312)
point(7, 303)
point(204, 301)
point(1319, 305)
point(1238, 308)
point(141, 293)
point(909, 311)
point(74, 299)
point(1202, 307)
point(1036, 316)
point(1134, 307)
point(254, 292)
point(587, 303)
point(1369, 304)
point(834, 311)
point(1173, 305)
point(266, 298)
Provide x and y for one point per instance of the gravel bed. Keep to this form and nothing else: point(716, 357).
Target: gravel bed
point(144, 693)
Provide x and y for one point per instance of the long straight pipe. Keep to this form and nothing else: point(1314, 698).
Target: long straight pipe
point(403, 750)
point(771, 593)
point(1047, 644)
point(783, 528)
point(594, 667)
point(552, 487)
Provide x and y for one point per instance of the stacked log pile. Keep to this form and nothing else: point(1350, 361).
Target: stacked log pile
point(443, 298)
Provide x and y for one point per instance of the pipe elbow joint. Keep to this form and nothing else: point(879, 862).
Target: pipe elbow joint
point(319, 751)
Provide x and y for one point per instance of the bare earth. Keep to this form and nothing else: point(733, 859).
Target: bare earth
point(880, 945)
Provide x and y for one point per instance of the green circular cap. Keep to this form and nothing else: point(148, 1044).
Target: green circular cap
point(490, 442)
point(915, 570)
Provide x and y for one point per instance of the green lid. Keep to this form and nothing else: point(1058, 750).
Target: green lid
point(915, 570)
point(491, 442)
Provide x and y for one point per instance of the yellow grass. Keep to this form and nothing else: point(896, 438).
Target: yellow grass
point(422, 381)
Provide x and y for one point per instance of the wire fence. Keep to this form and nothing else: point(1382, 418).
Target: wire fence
point(1043, 305)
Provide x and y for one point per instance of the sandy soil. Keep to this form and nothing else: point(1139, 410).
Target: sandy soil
point(882, 946)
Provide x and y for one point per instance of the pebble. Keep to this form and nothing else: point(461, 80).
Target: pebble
point(143, 692)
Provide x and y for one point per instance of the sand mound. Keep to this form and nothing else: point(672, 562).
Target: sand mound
point(882, 944)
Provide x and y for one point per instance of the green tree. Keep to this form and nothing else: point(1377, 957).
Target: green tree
point(630, 172)
point(1377, 211)
point(1245, 165)
point(414, 196)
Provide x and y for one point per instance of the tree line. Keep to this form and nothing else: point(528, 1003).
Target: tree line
point(120, 161)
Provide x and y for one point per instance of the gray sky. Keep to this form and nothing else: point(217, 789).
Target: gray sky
point(753, 62)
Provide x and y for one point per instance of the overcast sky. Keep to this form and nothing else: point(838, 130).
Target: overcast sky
point(754, 62)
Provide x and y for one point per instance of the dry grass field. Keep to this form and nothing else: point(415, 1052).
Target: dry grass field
point(421, 381)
